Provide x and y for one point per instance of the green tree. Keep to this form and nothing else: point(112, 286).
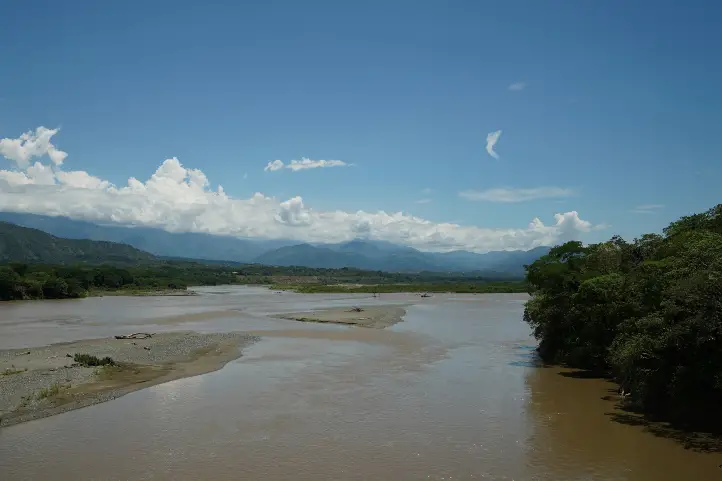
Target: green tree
point(648, 312)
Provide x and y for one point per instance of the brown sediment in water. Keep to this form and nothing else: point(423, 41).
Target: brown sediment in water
point(44, 381)
point(377, 317)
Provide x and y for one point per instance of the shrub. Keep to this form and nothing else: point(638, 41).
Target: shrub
point(88, 360)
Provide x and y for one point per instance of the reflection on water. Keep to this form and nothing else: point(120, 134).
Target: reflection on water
point(454, 392)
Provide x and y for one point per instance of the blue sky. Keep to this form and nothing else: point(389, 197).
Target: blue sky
point(616, 105)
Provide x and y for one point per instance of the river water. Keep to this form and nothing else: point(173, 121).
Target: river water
point(453, 392)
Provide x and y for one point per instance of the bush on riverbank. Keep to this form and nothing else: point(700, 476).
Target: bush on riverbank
point(88, 360)
point(648, 312)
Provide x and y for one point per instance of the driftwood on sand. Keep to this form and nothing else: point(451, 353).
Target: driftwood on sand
point(137, 335)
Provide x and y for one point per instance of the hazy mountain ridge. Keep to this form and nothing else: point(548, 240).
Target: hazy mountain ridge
point(23, 244)
point(358, 253)
point(155, 241)
point(368, 255)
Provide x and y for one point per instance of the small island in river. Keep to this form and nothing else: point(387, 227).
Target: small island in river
point(377, 317)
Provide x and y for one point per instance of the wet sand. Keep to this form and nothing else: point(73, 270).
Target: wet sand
point(44, 381)
point(376, 317)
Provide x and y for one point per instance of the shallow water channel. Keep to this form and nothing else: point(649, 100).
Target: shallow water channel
point(453, 392)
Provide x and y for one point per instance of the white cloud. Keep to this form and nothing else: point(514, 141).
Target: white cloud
point(507, 195)
point(179, 199)
point(274, 165)
point(491, 140)
point(422, 201)
point(30, 145)
point(517, 86)
point(647, 208)
point(303, 164)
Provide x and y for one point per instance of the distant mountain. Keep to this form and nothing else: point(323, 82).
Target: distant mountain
point(310, 256)
point(377, 255)
point(358, 253)
point(23, 244)
point(155, 241)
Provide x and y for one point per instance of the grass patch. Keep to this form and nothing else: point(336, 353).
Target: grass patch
point(112, 371)
point(47, 392)
point(88, 360)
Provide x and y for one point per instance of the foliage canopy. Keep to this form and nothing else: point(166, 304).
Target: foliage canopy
point(648, 311)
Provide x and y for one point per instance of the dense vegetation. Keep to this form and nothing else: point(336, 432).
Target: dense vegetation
point(37, 281)
point(648, 312)
point(42, 281)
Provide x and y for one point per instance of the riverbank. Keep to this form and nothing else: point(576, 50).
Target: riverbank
point(376, 317)
point(44, 381)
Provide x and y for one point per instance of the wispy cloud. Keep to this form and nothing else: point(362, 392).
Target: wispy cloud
point(517, 86)
point(491, 140)
point(427, 191)
point(422, 201)
point(303, 164)
point(273, 166)
point(509, 195)
point(647, 208)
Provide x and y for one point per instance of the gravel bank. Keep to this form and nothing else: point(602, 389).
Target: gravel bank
point(377, 317)
point(39, 382)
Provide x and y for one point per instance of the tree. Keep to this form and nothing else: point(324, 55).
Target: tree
point(9, 282)
point(649, 312)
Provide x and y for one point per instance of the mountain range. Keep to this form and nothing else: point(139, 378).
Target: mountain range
point(32, 245)
point(362, 254)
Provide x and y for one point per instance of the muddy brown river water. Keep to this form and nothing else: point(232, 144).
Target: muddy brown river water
point(451, 393)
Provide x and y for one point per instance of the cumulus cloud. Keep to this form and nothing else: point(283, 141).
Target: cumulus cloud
point(507, 195)
point(517, 86)
point(303, 164)
point(491, 140)
point(647, 208)
point(180, 199)
point(30, 145)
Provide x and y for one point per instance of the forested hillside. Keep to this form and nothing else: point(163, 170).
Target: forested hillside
point(649, 312)
point(22, 244)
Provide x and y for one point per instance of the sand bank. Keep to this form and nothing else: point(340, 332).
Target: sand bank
point(43, 381)
point(377, 317)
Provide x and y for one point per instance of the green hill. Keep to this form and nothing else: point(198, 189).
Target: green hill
point(21, 244)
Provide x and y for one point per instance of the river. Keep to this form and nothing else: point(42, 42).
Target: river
point(453, 392)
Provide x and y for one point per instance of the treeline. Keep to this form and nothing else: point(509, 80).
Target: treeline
point(45, 281)
point(36, 281)
point(456, 287)
point(648, 312)
point(352, 275)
